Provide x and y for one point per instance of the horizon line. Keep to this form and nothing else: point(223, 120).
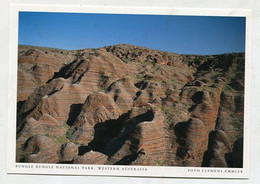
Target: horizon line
point(130, 45)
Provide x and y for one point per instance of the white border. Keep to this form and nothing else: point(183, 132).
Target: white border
point(147, 171)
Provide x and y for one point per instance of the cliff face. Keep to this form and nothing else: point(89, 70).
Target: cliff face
point(128, 105)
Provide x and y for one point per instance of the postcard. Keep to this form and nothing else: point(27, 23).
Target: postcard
point(125, 91)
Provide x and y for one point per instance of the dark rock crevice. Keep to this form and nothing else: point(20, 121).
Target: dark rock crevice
point(218, 146)
point(18, 109)
point(63, 71)
point(210, 151)
point(103, 133)
point(235, 158)
point(75, 110)
point(68, 70)
point(127, 160)
point(180, 130)
point(111, 135)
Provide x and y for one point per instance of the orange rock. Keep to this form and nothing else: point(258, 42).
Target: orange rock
point(132, 105)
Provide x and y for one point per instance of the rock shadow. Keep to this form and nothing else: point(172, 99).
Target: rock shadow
point(180, 130)
point(235, 158)
point(197, 98)
point(65, 71)
point(18, 109)
point(127, 160)
point(111, 135)
point(209, 153)
point(75, 110)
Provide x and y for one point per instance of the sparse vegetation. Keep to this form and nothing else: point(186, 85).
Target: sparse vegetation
point(69, 134)
point(61, 139)
point(184, 90)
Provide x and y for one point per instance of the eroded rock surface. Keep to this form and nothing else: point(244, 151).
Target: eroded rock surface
point(129, 105)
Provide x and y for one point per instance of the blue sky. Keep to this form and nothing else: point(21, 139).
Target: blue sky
point(179, 34)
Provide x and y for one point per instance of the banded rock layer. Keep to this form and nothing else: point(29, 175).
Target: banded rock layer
point(129, 105)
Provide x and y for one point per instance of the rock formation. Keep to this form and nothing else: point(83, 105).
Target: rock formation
point(129, 105)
